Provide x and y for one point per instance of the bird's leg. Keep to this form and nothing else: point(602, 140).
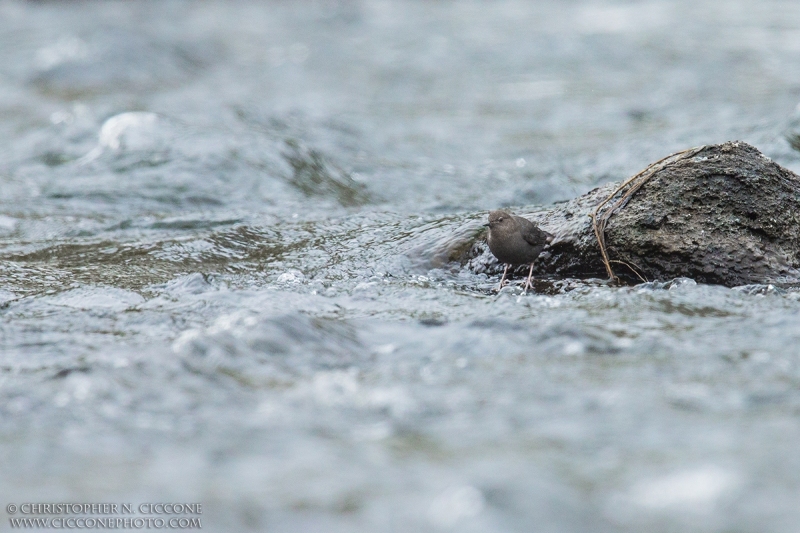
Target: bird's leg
point(503, 279)
point(528, 284)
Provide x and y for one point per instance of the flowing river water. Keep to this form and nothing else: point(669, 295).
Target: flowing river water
point(222, 276)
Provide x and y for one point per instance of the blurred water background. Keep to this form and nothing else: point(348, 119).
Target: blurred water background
point(221, 278)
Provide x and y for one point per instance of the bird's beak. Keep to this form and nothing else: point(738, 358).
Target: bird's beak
point(487, 225)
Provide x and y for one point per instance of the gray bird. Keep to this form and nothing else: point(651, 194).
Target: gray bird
point(515, 241)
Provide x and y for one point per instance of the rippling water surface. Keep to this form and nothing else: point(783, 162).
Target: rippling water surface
point(227, 233)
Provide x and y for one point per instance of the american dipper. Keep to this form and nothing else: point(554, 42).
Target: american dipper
point(515, 241)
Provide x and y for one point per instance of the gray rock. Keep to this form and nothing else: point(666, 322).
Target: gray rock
point(721, 214)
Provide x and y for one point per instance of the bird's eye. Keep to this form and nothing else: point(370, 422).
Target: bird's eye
point(500, 219)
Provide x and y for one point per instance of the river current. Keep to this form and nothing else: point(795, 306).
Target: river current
point(222, 276)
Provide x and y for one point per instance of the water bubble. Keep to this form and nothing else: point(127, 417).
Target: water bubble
point(136, 132)
point(292, 276)
point(454, 504)
point(386, 349)
point(64, 50)
point(62, 117)
point(689, 488)
point(574, 348)
point(128, 130)
point(8, 224)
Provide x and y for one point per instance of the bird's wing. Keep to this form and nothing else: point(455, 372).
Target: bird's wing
point(532, 234)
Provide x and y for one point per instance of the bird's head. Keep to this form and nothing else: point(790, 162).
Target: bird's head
point(499, 219)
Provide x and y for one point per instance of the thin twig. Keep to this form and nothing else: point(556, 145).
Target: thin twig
point(645, 175)
point(629, 265)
